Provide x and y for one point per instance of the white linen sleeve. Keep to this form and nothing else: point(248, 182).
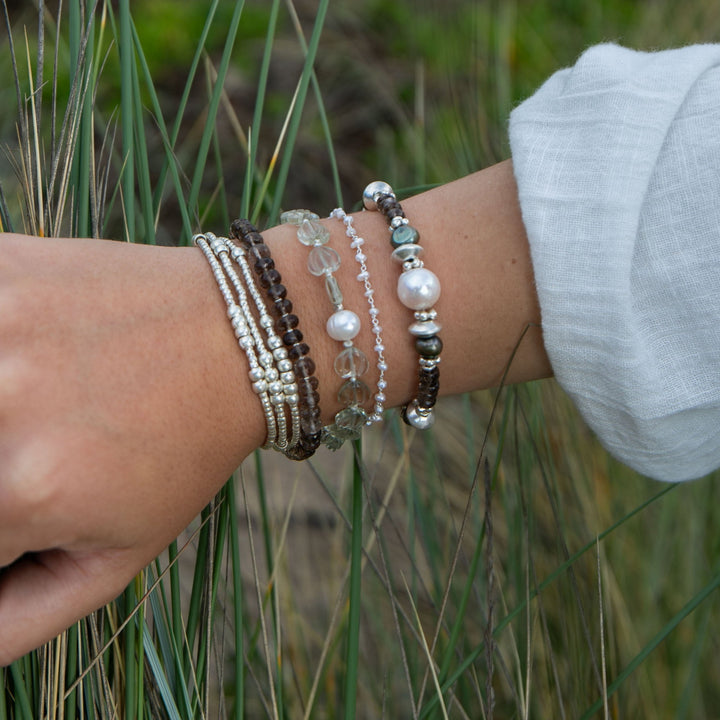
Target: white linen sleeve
point(617, 162)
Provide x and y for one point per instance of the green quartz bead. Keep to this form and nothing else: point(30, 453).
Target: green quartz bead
point(403, 235)
point(351, 418)
point(353, 392)
point(295, 217)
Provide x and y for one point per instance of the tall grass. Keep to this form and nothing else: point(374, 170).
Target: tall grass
point(504, 566)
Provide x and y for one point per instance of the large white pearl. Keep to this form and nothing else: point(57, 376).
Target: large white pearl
point(343, 325)
point(418, 289)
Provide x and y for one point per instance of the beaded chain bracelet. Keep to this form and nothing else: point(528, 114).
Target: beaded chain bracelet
point(343, 325)
point(364, 277)
point(242, 323)
point(418, 289)
point(286, 325)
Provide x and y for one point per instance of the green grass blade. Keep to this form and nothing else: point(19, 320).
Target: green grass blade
point(662, 635)
point(158, 674)
point(355, 596)
point(238, 606)
point(213, 106)
point(127, 114)
point(298, 108)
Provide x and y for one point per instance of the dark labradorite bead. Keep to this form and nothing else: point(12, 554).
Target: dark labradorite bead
point(277, 291)
point(241, 227)
point(404, 235)
point(304, 367)
point(394, 212)
point(295, 352)
point(269, 277)
point(429, 347)
point(263, 264)
point(259, 251)
point(426, 399)
point(288, 322)
point(292, 337)
point(282, 306)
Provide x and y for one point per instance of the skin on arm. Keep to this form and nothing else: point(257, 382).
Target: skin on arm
point(125, 402)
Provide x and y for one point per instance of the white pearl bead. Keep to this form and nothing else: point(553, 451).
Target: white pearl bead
point(343, 325)
point(418, 288)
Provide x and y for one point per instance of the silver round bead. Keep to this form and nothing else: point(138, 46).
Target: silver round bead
point(280, 354)
point(418, 288)
point(287, 378)
point(278, 399)
point(265, 359)
point(246, 342)
point(260, 386)
point(272, 374)
point(373, 191)
point(275, 387)
point(274, 342)
point(285, 365)
point(293, 399)
point(422, 419)
point(257, 373)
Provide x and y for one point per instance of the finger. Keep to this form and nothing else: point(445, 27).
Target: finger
point(41, 595)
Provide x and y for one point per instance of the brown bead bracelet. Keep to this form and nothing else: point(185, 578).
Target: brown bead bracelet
point(286, 325)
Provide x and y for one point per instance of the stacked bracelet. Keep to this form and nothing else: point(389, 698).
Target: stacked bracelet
point(418, 289)
point(286, 325)
point(343, 325)
point(262, 373)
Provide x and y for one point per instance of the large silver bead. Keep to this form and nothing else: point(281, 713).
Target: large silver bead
point(420, 420)
point(373, 191)
point(418, 288)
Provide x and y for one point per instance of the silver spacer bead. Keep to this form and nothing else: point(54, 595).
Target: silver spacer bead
point(373, 191)
point(425, 329)
point(396, 222)
point(423, 315)
point(429, 363)
point(407, 253)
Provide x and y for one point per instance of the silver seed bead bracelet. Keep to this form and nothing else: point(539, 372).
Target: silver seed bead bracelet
point(418, 289)
point(210, 246)
point(342, 325)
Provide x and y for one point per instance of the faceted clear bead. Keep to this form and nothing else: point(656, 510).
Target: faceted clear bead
point(311, 232)
point(351, 363)
point(295, 217)
point(323, 260)
point(354, 392)
point(333, 290)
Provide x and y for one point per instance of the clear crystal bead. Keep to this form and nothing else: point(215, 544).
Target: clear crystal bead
point(295, 217)
point(333, 290)
point(311, 232)
point(351, 363)
point(354, 392)
point(323, 259)
point(352, 418)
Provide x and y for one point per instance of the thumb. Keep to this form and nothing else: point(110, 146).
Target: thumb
point(42, 594)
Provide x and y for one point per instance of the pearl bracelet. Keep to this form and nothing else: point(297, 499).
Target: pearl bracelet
point(356, 243)
point(343, 325)
point(286, 325)
point(418, 289)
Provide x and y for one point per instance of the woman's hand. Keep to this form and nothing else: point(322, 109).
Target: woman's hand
point(121, 413)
